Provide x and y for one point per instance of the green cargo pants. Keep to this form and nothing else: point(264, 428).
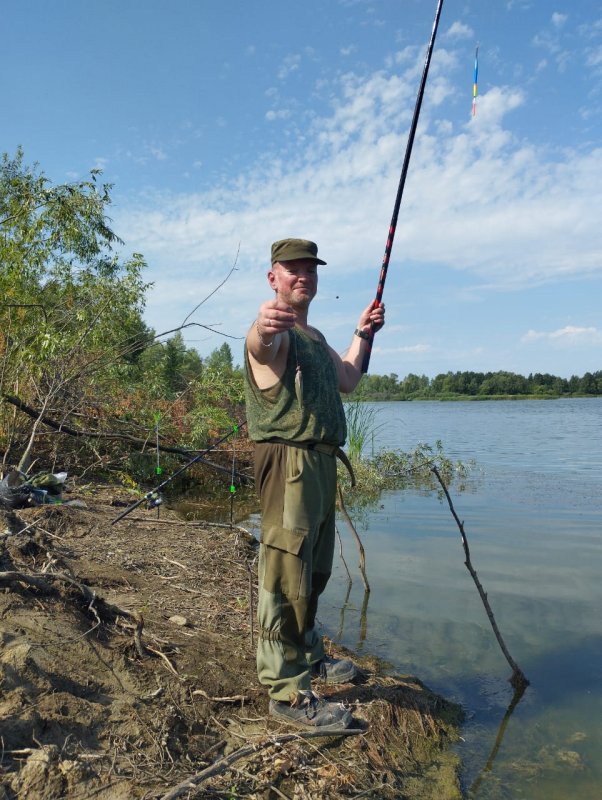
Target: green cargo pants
point(297, 490)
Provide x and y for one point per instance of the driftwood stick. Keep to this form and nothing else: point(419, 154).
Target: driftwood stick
point(518, 678)
point(360, 546)
point(336, 527)
point(222, 764)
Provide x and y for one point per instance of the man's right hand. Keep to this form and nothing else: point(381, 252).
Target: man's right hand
point(275, 317)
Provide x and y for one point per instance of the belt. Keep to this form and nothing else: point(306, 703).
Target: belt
point(332, 450)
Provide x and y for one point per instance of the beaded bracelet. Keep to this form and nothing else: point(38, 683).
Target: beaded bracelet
point(265, 344)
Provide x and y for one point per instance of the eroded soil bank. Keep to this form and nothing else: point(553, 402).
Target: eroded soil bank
point(127, 670)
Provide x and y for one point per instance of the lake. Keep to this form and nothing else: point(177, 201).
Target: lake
point(532, 512)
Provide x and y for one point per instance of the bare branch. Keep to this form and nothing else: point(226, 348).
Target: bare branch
point(358, 541)
point(198, 325)
point(518, 678)
point(217, 288)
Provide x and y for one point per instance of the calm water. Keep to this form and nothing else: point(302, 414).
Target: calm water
point(533, 518)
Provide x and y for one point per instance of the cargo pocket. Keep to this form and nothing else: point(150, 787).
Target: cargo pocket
point(301, 495)
point(285, 569)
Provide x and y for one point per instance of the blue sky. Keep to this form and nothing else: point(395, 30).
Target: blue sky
point(225, 125)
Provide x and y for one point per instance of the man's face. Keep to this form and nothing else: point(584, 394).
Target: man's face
point(295, 282)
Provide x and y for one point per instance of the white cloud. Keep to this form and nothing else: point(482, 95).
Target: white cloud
point(594, 57)
point(410, 348)
point(477, 200)
point(458, 30)
point(290, 64)
point(569, 335)
point(281, 113)
point(550, 40)
point(157, 153)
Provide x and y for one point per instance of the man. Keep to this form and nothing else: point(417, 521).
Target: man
point(295, 416)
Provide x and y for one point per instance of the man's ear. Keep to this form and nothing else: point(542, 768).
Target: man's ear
point(272, 280)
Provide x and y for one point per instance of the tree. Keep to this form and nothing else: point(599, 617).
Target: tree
point(220, 359)
point(70, 310)
point(174, 352)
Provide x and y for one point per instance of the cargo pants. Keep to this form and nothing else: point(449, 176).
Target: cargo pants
point(297, 490)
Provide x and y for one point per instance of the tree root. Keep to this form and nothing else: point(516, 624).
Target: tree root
point(96, 605)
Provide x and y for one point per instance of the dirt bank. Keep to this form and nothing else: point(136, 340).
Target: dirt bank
point(127, 670)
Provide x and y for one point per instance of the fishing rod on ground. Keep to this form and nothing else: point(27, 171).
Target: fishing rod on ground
point(402, 180)
point(153, 496)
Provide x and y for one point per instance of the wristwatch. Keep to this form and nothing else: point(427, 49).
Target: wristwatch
point(361, 334)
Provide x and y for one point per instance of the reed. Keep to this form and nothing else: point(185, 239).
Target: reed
point(362, 425)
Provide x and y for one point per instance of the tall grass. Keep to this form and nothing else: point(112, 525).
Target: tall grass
point(362, 426)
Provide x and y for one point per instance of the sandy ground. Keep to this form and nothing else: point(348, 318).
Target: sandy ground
point(127, 670)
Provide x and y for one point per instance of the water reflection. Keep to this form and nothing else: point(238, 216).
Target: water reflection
point(476, 784)
point(363, 621)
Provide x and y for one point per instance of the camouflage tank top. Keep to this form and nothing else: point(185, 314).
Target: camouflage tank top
point(312, 412)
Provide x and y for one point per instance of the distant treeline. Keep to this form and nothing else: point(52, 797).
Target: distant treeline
point(476, 385)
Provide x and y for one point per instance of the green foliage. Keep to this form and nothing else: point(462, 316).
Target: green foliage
point(218, 398)
point(74, 349)
point(390, 469)
point(64, 293)
point(398, 469)
point(70, 311)
point(220, 360)
point(476, 385)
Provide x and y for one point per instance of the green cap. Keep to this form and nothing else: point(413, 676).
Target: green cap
point(291, 249)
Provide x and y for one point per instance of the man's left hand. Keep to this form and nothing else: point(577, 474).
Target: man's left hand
point(372, 318)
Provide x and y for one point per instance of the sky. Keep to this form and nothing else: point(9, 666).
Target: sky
point(224, 125)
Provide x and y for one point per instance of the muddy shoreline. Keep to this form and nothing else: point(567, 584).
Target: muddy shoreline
point(127, 670)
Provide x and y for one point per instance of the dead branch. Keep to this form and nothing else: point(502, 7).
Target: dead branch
point(341, 556)
point(237, 698)
point(223, 764)
point(193, 524)
point(358, 541)
point(199, 325)
point(217, 288)
point(518, 679)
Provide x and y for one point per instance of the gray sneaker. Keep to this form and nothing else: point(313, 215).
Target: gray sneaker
point(335, 670)
point(311, 711)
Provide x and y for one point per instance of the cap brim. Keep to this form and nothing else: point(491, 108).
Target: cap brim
point(298, 256)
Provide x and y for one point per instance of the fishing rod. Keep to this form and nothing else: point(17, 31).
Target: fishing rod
point(153, 495)
point(402, 180)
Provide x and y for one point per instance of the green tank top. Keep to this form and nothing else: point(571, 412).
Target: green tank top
point(276, 413)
